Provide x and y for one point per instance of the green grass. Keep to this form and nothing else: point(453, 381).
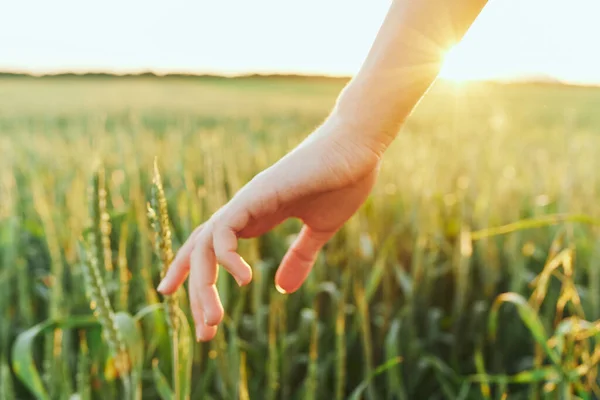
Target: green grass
point(403, 302)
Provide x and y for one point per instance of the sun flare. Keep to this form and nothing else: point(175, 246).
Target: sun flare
point(456, 66)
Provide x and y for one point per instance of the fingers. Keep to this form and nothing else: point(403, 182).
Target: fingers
point(216, 241)
point(180, 267)
point(299, 259)
point(225, 245)
point(204, 265)
point(203, 331)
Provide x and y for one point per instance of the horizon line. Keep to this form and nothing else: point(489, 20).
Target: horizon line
point(526, 79)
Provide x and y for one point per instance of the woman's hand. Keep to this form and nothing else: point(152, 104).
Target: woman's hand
point(325, 179)
point(322, 182)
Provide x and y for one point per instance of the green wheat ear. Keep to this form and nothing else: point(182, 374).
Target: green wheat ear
point(159, 219)
point(105, 226)
point(179, 331)
point(92, 257)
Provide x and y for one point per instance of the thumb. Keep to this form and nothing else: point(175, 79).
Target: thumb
point(299, 259)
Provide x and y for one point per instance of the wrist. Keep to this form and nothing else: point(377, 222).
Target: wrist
point(361, 117)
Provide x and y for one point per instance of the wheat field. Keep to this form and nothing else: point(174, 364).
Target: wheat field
point(471, 272)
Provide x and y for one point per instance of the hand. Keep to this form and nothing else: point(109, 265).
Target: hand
point(325, 179)
point(322, 182)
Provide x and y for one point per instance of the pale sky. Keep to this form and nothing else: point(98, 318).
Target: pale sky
point(511, 38)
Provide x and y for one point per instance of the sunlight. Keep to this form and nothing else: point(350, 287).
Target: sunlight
point(547, 38)
point(457, 66)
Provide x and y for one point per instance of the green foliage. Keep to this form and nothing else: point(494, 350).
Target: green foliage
point(484, 220)
point(162, 385)
point(179, 328)
point(24, 365)
point(7, 390)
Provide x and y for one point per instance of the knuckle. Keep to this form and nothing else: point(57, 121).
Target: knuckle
point(301, 255)
point(219, 242)
point(214, 317)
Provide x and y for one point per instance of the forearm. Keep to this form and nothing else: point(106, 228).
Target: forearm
point(404, 61)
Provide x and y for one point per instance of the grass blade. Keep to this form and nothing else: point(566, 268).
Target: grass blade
point(22, 352)
point(356, 394)
point(528, 316)
point(7, 391)
point(161, 383)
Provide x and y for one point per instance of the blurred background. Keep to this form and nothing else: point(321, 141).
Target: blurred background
point(471, 272)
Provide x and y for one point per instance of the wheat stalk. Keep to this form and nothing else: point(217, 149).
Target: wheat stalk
point(104, 222)
point(159, 219)
point(124, 274)
point(95, 286)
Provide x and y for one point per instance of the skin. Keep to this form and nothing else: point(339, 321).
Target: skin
point(326, 179)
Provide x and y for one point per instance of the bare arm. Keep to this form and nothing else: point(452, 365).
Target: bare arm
point(325, 180)
point(404, 61)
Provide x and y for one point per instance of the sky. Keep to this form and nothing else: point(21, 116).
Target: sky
point(510, 39)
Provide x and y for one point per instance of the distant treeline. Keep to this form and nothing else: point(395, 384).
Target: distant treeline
point(533, 81)
point(107, 75)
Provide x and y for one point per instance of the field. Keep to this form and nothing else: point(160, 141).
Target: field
point(489, 189)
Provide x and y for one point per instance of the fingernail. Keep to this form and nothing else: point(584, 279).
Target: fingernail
point(198, 338)
point(280, 289)
point(205, 321)
point(239, 282)
point(162, 286)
